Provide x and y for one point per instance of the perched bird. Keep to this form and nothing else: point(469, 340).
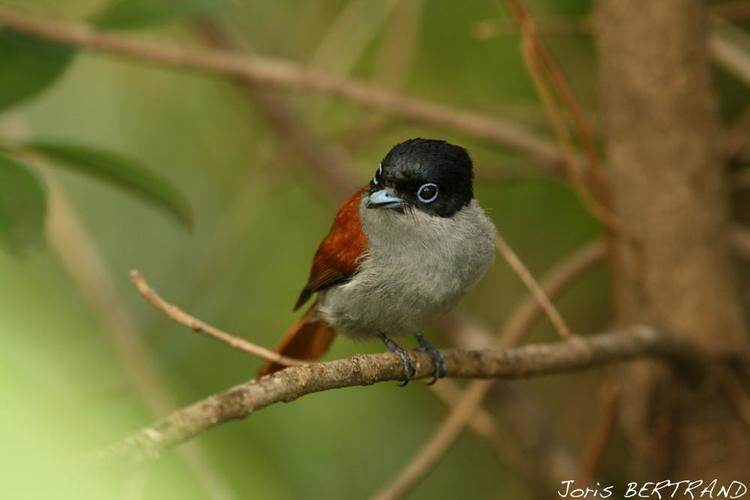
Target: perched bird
point(401, 251)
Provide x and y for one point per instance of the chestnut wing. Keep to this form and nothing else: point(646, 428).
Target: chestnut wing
point(339, 254)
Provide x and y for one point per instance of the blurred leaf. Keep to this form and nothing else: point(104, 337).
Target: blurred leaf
point(121, 171)
point(28, 66)
point(23, 206)
point(134, 14)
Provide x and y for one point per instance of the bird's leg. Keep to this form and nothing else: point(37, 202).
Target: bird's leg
point(438, 360)
point(401, 353)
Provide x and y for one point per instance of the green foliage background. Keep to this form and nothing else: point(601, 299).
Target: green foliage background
point(134, 132)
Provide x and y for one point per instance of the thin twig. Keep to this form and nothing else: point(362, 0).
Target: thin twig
point(292, 383)
point(435, 448)
point(481, 422)
point(175, 313)
point(536, 291)
point(484, 426)
point(583, 25)
point(491, 28)
point(553, 283)
point(542, 68)
point(281, 73)
point(524, 437)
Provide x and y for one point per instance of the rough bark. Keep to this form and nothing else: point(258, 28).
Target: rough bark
point(673, 265)
point(292, 383)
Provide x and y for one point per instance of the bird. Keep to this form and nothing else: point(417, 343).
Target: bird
point(402, 251)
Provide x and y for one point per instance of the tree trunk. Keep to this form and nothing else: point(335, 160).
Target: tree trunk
point(673, 265)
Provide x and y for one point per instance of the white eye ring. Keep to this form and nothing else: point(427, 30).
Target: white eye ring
point(427, 199)
point(379, 173)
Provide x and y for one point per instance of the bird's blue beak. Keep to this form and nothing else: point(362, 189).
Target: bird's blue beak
point(384, 198)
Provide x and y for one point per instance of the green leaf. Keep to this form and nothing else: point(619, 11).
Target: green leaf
point(134, 14)
point(120, 171)
point(28, 66)
point(23, 205)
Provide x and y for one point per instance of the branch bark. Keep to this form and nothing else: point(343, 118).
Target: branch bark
point(285, 74)
point(292, 383)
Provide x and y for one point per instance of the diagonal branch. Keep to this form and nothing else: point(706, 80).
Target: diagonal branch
point(292, 383)
point(282, 73)
point(175, 313)
point(552, 283)
point(536, 290)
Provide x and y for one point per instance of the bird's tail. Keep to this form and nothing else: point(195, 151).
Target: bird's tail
point(307, 339)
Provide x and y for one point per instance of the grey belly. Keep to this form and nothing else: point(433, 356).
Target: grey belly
point(401, 297)
point(362, 308)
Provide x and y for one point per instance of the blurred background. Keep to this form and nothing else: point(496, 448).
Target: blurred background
point(222, 212)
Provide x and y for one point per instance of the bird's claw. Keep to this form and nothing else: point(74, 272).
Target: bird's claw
point(438, 360)
point(399, 351)
point(408, 366)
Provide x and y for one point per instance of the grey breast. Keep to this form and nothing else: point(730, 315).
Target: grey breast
point(417, 267)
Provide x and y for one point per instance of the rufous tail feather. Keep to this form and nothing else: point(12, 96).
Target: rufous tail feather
point(307, 339)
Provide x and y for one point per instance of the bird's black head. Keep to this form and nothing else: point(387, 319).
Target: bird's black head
point(426, 174)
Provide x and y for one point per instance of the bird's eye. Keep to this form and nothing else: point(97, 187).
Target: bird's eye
point(378, 175)
point(427, 193)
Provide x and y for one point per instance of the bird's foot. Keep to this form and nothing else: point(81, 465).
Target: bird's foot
point(401, 353)
point(438, 360)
